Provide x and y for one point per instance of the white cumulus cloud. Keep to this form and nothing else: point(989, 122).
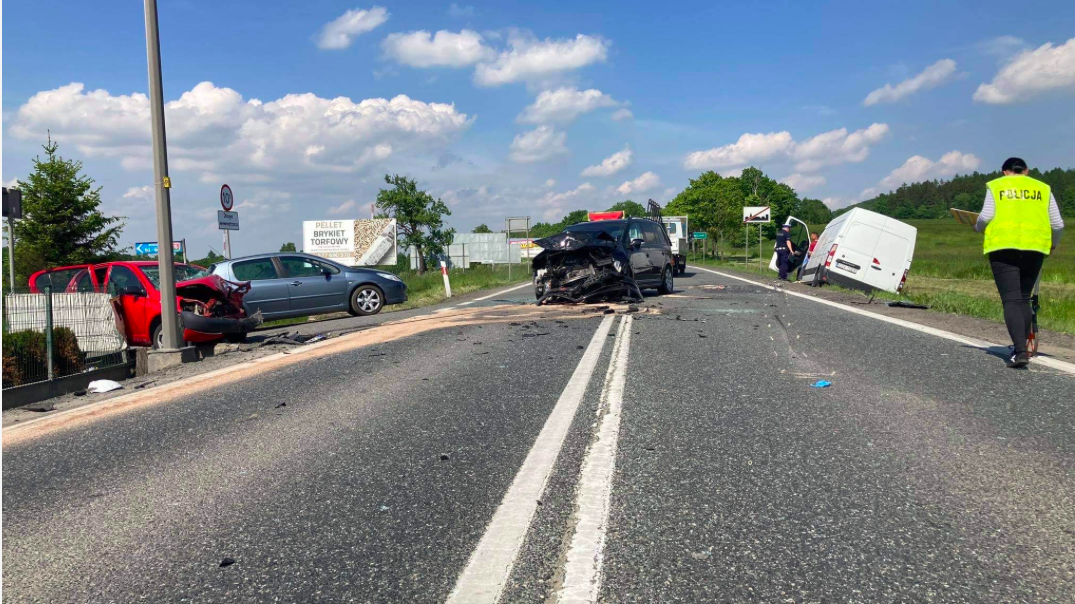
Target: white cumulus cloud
point(837, 147)
point(918, 168)
point(622, 114)
point(530, 59)
point(554, 205)
point(443, 49)
point(1031, 73)
point(611, 164)
point(749, 148)
point(930, 77)
point(645, 182)
point(214, 131)
point(539, 144)
point(563, 105)
point(803, 182)
point(340, 32)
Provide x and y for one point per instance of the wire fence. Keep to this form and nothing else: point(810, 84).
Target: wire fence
point(47, 336)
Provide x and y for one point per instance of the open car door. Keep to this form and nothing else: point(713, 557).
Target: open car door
point(800, 240)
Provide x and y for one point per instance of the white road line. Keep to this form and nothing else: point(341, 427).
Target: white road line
point(501, 292)
point(940, 333)
point(582, 571)
point(490, 564)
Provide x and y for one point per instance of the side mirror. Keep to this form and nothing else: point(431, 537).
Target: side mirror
point(636, 243)
point(134, 290)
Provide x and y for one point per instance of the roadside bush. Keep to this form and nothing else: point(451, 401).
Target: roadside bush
point(24, 355)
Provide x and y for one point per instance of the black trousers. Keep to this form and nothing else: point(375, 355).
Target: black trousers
point(782, 263)
point(1015, 272)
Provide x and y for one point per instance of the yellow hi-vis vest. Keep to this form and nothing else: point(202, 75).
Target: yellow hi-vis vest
point(1022, 218)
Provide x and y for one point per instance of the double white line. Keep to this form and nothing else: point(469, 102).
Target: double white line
point(487, 572)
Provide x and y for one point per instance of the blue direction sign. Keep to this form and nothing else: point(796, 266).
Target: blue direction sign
point(150, 248)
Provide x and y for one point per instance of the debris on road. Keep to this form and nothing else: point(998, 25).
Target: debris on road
point(583, 267)
point(821, 384)
point(227, 562)
point(295, 339)
point(906, 304)
point(101, 386)
point(534, 335)
point(281, 405)
point(445, 457)
point(715, 287)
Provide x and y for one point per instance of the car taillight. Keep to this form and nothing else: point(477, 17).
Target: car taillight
point(832, 254)
point(903, 282)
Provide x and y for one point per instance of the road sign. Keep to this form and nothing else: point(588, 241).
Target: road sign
point(150, 248)
point(701, 235)
point(227, 221)
point(757, 215)
point(227, 200)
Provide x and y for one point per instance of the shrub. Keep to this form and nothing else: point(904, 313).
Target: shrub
point(25, 355)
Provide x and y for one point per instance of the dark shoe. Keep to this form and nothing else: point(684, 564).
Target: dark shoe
point(1019, 360)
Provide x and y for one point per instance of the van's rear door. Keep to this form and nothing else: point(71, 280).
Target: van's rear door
point(855, 252)
point(888, 262)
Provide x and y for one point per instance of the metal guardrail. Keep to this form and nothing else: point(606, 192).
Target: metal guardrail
point(49, 336)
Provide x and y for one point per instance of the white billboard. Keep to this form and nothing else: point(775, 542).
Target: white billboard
point(351, 242)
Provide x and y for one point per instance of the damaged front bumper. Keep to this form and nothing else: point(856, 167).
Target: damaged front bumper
point(583, 267)
point(220, 325)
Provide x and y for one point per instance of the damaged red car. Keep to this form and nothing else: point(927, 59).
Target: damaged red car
point(210, 308)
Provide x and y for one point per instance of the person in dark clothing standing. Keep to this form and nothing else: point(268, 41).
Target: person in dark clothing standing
point(1022, 225)
point(784, 250)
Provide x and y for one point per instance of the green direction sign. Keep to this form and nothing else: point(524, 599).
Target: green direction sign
point(701, 236)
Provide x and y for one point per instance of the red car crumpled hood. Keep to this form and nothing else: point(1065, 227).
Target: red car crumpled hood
point(213, 287)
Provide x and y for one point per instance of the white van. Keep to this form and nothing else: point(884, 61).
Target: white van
point(863, 250)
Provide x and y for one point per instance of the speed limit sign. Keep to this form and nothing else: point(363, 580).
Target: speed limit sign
point(227, 200)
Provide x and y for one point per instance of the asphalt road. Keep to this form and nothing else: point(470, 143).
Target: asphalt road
point(678, 454)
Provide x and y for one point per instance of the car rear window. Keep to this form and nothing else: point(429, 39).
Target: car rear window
point(254, 270)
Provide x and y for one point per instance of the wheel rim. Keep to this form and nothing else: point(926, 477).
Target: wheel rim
point(668, 280)
point(160, 339)
point(368, 300)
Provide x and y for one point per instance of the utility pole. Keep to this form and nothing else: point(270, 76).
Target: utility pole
point(162, 183)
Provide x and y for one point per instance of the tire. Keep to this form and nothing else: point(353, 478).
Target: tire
point(156, 340)
point(667, 285)
point(366, 300)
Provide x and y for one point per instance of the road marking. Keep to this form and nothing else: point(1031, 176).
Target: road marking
point(582, 571)
point(940, 333)
point(490, 564)
point(501, 292)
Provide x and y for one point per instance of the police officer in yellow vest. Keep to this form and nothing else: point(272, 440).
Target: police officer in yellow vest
point(1022, 225)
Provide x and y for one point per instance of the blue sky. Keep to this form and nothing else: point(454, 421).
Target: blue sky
point(528, 108)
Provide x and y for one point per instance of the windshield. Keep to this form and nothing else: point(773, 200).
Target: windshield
point(612, 228)
point(183, 272)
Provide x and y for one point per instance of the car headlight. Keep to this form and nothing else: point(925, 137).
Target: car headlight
point(391, 277)
point(616, 264)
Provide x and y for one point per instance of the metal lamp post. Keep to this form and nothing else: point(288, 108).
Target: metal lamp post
point(161, 182)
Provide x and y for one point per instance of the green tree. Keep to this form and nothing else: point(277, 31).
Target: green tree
point(629, 208)
point(711, 203)
point(62, 221)
point(1067, 202)
point(574, 217)
point(813, 211)
point(288, 247)
point(482, 228)
point(419, 217)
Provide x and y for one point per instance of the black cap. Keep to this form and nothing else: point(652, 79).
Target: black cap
point(1014, 164)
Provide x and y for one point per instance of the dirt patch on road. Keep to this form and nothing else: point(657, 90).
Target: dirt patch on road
point(386, 332)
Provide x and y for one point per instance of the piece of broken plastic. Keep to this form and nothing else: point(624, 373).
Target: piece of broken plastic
point(821, 384)
point(99, 386)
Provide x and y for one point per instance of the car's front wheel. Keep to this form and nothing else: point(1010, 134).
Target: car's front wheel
point(366, 300)
point(666, 286)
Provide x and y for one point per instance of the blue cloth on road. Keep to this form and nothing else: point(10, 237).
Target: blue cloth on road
point(821, 384)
